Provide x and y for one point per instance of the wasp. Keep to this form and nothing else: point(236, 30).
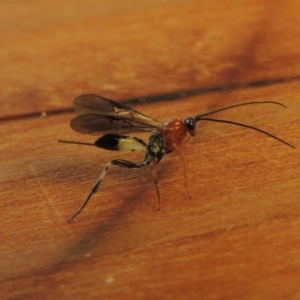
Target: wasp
point(97, 115)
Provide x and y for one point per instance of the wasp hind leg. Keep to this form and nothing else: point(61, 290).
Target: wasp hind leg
point(115, 142)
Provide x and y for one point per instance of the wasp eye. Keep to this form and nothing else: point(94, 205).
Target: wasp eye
point(190, 123)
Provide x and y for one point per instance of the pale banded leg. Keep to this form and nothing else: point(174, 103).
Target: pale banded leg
point(93, 190)
point(184, 173)
point(117, 142)
point(118, 162)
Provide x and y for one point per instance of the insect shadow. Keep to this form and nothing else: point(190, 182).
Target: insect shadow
point(98, 115)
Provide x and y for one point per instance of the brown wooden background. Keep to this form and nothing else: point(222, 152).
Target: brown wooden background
point(237, 238)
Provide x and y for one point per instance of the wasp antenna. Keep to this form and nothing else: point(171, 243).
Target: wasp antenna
point(74, 142)
point(198, 118)
point(240, 104)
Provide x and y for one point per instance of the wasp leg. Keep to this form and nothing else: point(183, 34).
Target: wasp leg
point(93, 190)
point(119, 143)
point(154, 153)
point(155, 179)
point(131, 165)
point(184, 173)
point(119, 162)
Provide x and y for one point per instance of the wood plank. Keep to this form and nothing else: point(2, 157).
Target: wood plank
point(52, 53)
point(240, 226)
point(237, 238)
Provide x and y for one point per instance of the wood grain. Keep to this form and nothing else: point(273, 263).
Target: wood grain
point(237, 238)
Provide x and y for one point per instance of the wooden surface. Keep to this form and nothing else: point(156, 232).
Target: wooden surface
point(237, 238)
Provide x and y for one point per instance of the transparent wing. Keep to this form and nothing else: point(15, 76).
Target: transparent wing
point(98, 114)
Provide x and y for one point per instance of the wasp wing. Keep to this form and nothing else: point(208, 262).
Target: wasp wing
point(98, 114)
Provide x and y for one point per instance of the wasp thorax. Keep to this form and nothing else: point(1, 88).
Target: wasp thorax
point(156, 143)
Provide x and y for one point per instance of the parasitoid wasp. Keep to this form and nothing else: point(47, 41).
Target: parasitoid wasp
point(97, 115)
